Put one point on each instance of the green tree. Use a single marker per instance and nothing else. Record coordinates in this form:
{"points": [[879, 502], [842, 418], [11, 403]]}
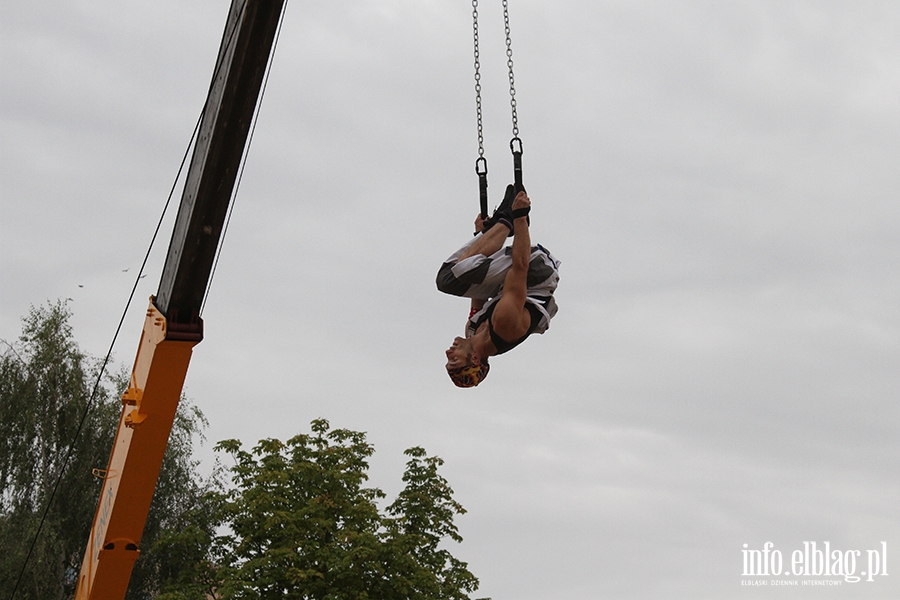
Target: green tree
{"points": [[299, 523], [45, 387]]}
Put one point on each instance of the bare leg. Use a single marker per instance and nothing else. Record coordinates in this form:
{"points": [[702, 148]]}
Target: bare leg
{"points": [[488, 243]]}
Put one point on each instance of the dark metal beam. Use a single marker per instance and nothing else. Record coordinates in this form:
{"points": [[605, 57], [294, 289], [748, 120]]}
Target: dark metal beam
{"points": [[227, 116]]}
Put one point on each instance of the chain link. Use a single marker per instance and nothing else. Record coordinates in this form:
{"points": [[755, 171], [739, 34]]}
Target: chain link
{"points": [[509, 63], [512, 80], [478, 79]]}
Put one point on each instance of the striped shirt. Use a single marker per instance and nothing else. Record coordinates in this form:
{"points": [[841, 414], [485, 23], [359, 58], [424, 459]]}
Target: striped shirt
{"points": [[481, 277]]}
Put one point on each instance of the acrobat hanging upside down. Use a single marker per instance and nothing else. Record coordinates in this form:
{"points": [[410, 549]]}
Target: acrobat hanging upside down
{"points": [[511, 289]]}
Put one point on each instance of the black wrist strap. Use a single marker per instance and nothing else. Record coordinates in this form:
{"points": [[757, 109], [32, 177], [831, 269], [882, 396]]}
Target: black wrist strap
{"points": [[521, 212]]}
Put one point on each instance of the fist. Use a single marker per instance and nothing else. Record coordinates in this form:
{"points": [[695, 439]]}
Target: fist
{"points": [[479, 223], [521, 201]]}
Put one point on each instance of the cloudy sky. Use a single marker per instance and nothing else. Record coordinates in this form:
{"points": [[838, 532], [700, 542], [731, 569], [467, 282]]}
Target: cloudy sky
{"points": [[719, 180]]}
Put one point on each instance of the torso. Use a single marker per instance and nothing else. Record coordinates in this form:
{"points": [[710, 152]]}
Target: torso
{"points": [[501, 345]]}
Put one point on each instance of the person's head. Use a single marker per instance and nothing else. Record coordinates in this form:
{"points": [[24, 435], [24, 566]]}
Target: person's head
{"points": [[464, 366]]}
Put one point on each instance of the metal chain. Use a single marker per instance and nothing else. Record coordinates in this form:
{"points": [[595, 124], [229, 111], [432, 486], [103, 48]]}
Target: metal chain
{"points": [[509, 63], [512, 80], [477, 79]]}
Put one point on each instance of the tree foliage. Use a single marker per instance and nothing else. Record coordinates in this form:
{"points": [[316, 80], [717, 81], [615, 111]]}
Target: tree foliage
{"points": [[300, 523], [46, 383]]}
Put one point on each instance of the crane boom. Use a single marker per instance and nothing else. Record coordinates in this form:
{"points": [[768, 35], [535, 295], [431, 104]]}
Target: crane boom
{"points": [[173, 325]]}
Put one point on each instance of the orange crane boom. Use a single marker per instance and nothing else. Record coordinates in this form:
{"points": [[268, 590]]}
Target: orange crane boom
{"points": [[173, 325], [130, 478]]}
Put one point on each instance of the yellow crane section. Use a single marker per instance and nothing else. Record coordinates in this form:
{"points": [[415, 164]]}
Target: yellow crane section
{"points": [[148, 412], [173, 325]]}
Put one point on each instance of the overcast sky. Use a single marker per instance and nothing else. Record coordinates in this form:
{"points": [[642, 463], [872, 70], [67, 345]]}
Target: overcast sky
{"points": [[719, 180]]}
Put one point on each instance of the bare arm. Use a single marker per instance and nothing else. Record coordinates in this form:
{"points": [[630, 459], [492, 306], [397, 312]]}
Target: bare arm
{"points": [[511, 319]]}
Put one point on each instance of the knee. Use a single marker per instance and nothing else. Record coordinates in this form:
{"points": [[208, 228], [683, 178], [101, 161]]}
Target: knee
{"points": [[448, 283]]}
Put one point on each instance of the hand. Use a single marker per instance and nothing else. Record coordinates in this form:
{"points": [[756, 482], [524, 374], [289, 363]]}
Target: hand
{"points": [[479, 223], [521, 201]]}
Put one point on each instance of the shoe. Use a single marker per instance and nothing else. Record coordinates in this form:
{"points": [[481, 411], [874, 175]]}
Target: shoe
{"points": [[503, 213]]}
